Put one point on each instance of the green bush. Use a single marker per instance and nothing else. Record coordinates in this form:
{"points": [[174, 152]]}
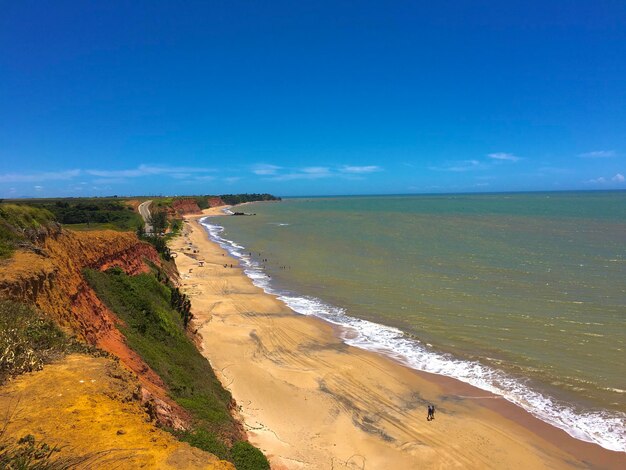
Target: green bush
{"points": [[28, 341], [247, 457], [203, 202], [20, 223], [205, 440], [26, 453]]}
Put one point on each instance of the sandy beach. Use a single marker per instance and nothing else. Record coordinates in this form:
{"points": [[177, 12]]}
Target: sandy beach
{"points": [[311, 402]]}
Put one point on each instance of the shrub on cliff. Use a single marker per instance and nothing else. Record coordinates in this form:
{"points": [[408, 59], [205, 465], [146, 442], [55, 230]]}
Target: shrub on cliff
{"points": [[28, 341], [28, 454], [247, 457], [207, 441], [159, 244], [21, 224]]}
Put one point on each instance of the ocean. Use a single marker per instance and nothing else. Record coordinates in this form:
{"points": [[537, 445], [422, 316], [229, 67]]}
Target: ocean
{"points": [[520, 294]]}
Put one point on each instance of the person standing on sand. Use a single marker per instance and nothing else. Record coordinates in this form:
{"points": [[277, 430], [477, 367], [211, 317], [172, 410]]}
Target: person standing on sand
{"points": [[431, 412]]}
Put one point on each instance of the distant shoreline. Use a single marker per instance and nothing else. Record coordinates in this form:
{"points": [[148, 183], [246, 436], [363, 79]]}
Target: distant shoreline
{"points": [[471, 399]]}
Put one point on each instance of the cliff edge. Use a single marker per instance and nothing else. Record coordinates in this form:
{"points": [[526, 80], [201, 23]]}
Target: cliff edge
{"points": [[82, 403]]}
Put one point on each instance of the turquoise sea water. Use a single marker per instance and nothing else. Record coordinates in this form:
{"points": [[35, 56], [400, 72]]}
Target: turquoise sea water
{"points": [[520, 294]]}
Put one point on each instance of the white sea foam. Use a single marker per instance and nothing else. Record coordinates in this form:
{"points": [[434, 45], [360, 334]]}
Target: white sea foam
{"points": [[603, 427]]}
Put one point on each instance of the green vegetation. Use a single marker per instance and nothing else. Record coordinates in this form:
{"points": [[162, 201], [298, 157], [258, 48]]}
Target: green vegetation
{"points": [[202, 201], [175, 226], [100, 213], [28, 341], [21, 224], [232, 199], [181, 303], [156, 331], [247, 457], [162, 202], [207, 441], [28, 454], [92, 213], [159, 244], [158, 220], [243, 454]]}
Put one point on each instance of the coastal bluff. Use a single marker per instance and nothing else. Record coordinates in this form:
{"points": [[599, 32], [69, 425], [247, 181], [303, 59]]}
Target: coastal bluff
{"points": [[110, 405]]}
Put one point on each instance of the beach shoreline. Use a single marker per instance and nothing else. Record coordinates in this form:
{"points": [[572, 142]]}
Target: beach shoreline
{"points": [[308, 400]]}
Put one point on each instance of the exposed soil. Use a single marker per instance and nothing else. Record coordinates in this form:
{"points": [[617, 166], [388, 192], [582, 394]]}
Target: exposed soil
{"points": [[52, 280], [87, 405]]}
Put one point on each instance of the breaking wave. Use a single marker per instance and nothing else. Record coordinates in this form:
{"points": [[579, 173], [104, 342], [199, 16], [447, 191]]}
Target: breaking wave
{"points": [[602, 427]]}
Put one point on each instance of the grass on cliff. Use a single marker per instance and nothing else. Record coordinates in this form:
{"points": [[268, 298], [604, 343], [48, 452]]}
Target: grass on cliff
{"points": [[20, 224], [156, 332], [28, 454], [28, 340]]}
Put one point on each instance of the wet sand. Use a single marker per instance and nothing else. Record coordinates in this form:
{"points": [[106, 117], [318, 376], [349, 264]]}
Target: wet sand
{"points": [[311, 402]]}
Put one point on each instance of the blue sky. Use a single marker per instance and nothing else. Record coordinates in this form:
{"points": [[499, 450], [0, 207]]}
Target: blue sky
{"points": [[305, 98]]}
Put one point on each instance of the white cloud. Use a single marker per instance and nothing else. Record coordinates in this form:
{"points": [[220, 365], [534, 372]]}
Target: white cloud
{"points": [[147, 170], [308, 173], [618, 178], [555, 170], [314, 172], [598, 154], [465, 165], [38, 188], [264, 169], [108, 181], [600, 180], [38, 177], [503, 156], [360, 169], [317, 170], [232, 179]]}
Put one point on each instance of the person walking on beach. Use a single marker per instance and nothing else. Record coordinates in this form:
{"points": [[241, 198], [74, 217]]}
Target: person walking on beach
{"points": [[431, 412]]}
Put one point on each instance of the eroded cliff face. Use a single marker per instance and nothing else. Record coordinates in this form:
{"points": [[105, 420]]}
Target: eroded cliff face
{"points": [[190, 206], [185, 206], [215, 201], [49, 276]]}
